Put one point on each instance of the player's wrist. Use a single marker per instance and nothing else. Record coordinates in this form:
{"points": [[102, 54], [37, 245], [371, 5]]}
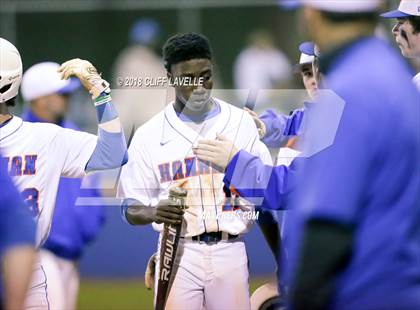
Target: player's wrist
{"points": [[153, 215], [99, 87], [135, 213], [105, 109]]}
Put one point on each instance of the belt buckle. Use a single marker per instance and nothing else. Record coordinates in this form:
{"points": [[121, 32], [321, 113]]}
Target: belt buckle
{"points": [[212, 240], [208, 239]]}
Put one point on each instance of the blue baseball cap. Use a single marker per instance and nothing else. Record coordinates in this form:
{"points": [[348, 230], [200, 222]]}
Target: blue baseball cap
{"points": [[144, 31], [307, 48], [289, 4], [407, 8], [308, 52]]}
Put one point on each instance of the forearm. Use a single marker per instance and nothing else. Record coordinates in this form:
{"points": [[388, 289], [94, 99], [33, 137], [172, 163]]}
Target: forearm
{"points": [[17, 267], [275, 125], [135, 213], [325, 252], [107, 114], [111, 148], [265, 186], [279, 127]]}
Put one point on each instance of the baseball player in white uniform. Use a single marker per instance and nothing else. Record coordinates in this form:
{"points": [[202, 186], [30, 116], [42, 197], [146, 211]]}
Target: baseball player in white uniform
{"points": [[213, 265], [407, 31], [37, 154]]}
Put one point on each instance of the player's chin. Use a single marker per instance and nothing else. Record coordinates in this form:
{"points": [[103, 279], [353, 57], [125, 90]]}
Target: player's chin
{"points": [[197, 104], [407, 53], [404, 50]]}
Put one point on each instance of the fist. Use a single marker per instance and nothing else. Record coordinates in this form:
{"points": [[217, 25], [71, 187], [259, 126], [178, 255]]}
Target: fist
{"points": [[168, 211], [86, 73]]}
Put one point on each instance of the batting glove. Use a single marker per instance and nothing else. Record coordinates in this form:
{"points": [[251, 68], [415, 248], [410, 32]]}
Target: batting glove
{"points": [[87, 74]]}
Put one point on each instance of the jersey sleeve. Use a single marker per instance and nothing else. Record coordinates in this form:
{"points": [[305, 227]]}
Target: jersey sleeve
{"points": [[137, 180], [257, 182], [75, 149], [280, 127]]}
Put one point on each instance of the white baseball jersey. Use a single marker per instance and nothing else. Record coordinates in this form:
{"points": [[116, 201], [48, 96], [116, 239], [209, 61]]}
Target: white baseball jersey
{"points": [[38, 154], [161, 156]]}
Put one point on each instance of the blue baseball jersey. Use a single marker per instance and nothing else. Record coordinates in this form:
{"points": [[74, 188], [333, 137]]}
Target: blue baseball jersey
{"points": [[17, 227], [16, 224], [368, 178]]}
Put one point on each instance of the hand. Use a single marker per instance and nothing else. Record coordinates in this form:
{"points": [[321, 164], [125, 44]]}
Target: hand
{"points": [[168, 212], [219, 152], [149, 275], [262, 130], [87, 74]]}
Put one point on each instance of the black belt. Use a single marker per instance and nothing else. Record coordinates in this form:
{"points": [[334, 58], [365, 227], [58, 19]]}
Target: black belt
{"points": [[213, 237]]}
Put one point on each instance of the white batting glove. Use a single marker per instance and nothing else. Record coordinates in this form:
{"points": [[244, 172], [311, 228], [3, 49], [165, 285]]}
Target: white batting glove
{"points": [[219, 152], [262, 130], [149, 275], [87, 74]]}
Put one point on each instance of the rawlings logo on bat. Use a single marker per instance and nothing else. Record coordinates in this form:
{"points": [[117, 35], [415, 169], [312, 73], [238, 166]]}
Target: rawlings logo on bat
{"points": [[168, 255]]}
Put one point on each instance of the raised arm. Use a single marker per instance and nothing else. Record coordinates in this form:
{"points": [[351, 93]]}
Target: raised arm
{"points": [[111, 148]]}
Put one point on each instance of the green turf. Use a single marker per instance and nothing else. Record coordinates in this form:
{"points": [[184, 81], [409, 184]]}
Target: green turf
{"points": [[119, 295]]}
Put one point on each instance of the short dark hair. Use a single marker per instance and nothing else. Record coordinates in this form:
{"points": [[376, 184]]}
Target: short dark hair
{"points": [[415, 22], [371, 17], [182, 47]]}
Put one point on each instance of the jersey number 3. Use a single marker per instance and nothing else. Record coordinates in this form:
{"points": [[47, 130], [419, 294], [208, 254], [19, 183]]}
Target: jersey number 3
{"points": [[30, 196]]}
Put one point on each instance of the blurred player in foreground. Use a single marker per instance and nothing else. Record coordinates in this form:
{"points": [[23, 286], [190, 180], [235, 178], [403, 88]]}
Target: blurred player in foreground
{"points": [[73, 227], [407, 30], [269, 295], [38, 154], [213, 267], [284, 132], [17, 240], [351, 197]]}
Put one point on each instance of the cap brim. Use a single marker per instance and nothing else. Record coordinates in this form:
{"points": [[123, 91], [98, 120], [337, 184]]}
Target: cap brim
{"points": [[394, 14], [70, 87]]}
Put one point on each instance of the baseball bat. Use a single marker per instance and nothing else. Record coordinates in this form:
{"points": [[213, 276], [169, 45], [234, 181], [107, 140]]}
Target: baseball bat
{"points": [[168, 250]]}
